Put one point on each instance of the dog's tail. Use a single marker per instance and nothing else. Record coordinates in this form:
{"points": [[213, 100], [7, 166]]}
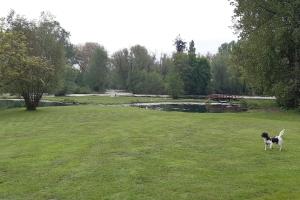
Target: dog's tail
{"points": [[281, 133]]}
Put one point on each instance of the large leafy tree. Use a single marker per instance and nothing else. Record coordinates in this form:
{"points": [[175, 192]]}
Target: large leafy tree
{"points": [[121, 68], [70, 81], [136, 70], [193, 70], [97, 71], [140, 62], [140, 59], [226, 77], [32, 56], [200, 76], [269, 46], [21, 73], [84, 53], [165, 65]]}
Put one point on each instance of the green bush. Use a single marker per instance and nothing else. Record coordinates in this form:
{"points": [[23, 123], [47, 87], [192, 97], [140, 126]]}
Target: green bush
{"points": [[82, 90], [243, 103], [174, 85], [286, 95], [142, 82]]}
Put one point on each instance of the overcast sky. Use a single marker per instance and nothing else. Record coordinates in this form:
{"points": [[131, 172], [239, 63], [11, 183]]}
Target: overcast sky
{"points": [[117, 24]]}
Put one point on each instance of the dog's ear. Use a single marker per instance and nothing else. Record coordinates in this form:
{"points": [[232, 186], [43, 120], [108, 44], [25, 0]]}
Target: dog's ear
{"points": [[264, 135]]}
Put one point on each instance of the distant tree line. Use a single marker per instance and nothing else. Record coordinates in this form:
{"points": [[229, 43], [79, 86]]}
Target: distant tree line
{"points": [[138, 71], [36, 57]]}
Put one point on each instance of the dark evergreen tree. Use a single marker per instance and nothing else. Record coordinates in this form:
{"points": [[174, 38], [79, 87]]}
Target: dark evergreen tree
{"points": [[180, 44]]}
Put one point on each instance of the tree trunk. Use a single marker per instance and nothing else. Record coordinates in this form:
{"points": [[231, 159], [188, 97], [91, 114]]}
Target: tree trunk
{"points": [[32, 100]]}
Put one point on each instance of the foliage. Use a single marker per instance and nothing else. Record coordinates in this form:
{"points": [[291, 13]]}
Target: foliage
{"points": [[286, 95], [84, 53], [269, 46], [165, 66], [182, 68], [134, 69], [153, 83], [33, 56], [120, 62], [26, 75], [200, 76], [226, 77], [140, 59], [180, 44], [174, 84], [83, 90], [96, 74], [70, 76], [142, 82], [258, 104], [193, 70]]}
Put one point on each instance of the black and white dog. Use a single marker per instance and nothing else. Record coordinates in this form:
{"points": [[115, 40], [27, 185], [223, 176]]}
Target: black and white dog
{"points": [[273, 140]]}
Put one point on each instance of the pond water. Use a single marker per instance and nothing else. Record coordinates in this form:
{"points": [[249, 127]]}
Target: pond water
{"points": [[15, 103], [192, 107]]}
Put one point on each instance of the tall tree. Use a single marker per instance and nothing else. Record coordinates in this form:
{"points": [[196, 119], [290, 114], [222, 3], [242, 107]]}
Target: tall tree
{"points": [[140, 59], [193, 70], [165, 65], [200, 76], [192, 51], [84, 53], [140, 62], [120, 61], [269, 47], [226, 77], [180, 44], [20, 73], [70, 78], [33, 56], [97, 71]]}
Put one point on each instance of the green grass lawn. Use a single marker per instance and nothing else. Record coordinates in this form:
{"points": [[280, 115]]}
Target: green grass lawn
{"points": [[98, 152]]}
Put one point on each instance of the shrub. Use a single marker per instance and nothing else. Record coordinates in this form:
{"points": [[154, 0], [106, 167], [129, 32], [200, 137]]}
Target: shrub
{"points": [[286, 95], [83, 90], [174, 85], [142, 82]]}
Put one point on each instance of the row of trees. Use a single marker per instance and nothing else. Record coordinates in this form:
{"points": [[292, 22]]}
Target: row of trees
{"points": [[37, 57], [138, 71]]}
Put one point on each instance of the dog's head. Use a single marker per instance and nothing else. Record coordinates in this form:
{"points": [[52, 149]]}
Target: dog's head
{"points": [[265, 135]]}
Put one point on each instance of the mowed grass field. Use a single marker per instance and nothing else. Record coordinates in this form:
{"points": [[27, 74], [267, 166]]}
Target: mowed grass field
{"points": [[114, 152]]}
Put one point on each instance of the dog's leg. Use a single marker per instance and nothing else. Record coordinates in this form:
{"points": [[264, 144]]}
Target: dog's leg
{"points": [[265, 146], [280, 147], [271, 146]]}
